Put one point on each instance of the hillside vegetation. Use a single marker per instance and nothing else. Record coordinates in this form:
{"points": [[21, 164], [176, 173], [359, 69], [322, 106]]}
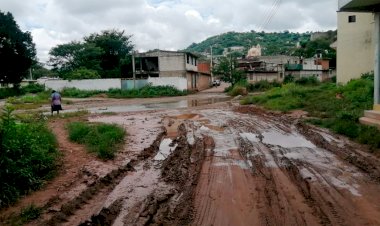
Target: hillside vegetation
{"points": [[276, 43]]}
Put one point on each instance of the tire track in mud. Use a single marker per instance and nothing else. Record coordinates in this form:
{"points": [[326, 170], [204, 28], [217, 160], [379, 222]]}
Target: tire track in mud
{"points": [[334, 190]]}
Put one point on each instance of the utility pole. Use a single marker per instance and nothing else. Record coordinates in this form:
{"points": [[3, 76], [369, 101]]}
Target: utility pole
{"points": [[134, 69], [211, 67]]}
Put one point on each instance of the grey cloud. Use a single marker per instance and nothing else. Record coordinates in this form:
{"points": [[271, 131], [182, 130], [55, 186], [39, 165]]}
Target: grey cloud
{"points": [[172, 24]]}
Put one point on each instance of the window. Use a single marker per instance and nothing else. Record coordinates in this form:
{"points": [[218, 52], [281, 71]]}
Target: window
{"points": [[352, 19], [188, 60]]}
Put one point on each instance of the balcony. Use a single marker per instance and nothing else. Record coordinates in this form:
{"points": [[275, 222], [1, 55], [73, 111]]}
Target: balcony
{"points": [[359, 5], [293, 67]]}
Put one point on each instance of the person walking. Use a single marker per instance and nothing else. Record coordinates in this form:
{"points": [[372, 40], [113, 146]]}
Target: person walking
{"points": [[55, 102]]}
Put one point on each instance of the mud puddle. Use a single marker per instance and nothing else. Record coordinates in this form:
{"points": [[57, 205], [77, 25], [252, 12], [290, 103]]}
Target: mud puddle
{"points": [[153, 106]]}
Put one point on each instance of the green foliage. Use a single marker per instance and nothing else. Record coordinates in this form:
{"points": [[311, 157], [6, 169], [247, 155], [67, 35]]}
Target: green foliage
{"points": [[335, 107], [33, 88], [17, 50], [27, 159], [83, 73], [104, 54], [275, 43], [307, 81], [29, 213], [9, 92], [227, 70], [289, 78], [102, 139], [238, 90], [146, 91], [38, 71], [262, 85], [77, 93]]}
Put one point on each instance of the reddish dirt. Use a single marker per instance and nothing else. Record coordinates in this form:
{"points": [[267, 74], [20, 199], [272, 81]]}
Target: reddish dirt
{"points": [[221, 164]]}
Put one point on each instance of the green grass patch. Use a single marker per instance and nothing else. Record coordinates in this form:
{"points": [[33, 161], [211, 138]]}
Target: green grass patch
{"points": [[146, 91], [335, 107], [28, 156], [102, 139], [76, 93]]}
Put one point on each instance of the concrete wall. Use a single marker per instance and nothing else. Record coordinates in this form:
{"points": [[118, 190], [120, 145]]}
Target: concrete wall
{"points": [[173, 62], [270, 77], [86, 84], [355, 51], [178, 82], [204, 81], [130, 84], [192, 64]]}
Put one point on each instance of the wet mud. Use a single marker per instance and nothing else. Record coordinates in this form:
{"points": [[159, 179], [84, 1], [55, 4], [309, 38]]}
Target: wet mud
{"points": [[222, 164]]}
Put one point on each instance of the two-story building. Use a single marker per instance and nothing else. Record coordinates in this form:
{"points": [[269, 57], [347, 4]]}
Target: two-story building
{"points": [[171, 68]]}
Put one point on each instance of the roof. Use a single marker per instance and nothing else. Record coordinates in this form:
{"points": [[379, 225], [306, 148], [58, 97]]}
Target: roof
{"points": [[156, 53], [359, 5]]}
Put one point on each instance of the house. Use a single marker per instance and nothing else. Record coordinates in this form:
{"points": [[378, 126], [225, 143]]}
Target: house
{"points": [[355, 46], [176, 68], [275, 68], [369, 6]]}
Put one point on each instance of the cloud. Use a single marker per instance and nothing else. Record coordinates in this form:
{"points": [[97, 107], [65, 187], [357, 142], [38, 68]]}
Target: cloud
{"points": [[165, 24]]}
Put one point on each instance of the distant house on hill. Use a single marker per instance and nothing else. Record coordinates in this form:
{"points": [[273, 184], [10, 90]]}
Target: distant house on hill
{"points": [[275, 68]]}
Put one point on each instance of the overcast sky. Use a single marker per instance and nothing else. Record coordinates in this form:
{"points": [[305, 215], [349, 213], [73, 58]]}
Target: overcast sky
{"points": [[164, 24]]}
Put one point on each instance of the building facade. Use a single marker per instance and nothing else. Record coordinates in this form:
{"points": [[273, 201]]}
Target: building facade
{"points": [[355, 46], [171, 64]]}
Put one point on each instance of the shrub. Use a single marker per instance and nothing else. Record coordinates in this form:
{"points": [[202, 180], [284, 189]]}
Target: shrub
{"points": [[27, 159], [33, 88], [238, 90], [312, 80], [83, 73], [102, 139], [74, 92], [146, 91], [9, 92]]}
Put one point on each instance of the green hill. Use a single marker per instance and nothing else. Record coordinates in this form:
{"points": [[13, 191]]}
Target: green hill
{"points": [[276, 43]]}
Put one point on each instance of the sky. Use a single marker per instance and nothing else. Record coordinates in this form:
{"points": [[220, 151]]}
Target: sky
{"points": [[164, 24]]}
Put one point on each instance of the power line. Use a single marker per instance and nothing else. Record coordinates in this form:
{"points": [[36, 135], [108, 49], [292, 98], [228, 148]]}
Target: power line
{"points": [[270, 14]]}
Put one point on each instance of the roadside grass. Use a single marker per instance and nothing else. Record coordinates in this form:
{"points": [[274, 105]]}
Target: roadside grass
{"points": [[27, 214], [28, 156], [76, 93], [99, 138], [29, 101], [335, 107], [146, 91]]}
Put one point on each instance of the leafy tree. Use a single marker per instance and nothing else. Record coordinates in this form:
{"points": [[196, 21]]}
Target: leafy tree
{"points": [[17, 51], [115, 46], [83, 73], [66, 58], [38, 71], [227, 70]]}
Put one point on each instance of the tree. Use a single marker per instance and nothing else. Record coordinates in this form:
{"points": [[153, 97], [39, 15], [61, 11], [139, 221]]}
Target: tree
{"points": [[66, 58], [116, 46], [227, 69], [17, 51]]}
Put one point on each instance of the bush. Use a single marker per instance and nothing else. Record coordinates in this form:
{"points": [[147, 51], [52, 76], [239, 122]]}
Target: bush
{"points": [[83, 73], [238, 90], [9, 92], [27, 159], [146, 91], [74, 92], [33, 88], [262, 85], [307, 81], [102, 139]]}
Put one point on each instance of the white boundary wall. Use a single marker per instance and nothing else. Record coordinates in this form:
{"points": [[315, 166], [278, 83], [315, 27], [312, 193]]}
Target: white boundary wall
{"points": [[85, 84], [178, 82]]}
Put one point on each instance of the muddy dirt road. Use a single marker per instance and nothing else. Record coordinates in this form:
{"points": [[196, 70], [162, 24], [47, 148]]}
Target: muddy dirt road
{"points": [[219, 164]]}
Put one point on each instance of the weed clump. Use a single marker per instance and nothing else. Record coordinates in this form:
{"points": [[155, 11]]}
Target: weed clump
{"points": [[28, 157], [102, 139]]}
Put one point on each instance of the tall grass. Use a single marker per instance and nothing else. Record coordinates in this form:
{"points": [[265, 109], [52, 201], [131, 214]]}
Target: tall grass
{"points": [[102, 139], [335, 107], [28, 157]]}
